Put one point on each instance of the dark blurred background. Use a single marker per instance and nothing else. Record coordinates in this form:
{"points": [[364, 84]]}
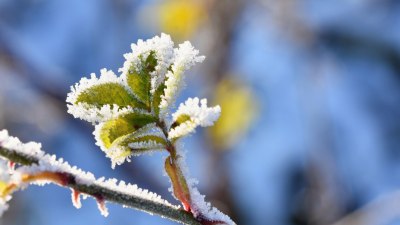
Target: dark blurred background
{"points": [[309, 90]]}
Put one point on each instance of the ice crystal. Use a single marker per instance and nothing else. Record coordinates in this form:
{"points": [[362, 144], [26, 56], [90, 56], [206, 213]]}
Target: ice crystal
{"points": [[49, 163], [91, 113], [185, 57], [151, 77], [199, 207], [164, 52], [4, 180], [199, 115]]}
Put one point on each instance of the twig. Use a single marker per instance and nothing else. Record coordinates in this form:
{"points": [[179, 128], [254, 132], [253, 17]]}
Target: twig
{"points": [[108, 194]]}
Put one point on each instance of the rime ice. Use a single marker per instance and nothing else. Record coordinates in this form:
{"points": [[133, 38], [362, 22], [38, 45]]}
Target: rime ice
{"points": [[131, 114], [171, 63], [50, 163], [200, 115]]}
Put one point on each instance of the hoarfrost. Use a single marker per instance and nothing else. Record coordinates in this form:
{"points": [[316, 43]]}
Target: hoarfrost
{"points": [[200, 115], [49, 163], [162, 46], [91, 113], [185, 57]]}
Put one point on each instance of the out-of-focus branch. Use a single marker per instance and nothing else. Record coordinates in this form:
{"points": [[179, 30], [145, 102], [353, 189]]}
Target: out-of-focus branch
{"points": [[381, 211]]}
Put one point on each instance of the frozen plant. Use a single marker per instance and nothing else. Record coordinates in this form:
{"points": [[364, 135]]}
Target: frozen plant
{"points": [[131, 115]]}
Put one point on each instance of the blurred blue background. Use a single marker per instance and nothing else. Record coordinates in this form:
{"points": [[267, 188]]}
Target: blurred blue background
{"points": [[309, 89]]}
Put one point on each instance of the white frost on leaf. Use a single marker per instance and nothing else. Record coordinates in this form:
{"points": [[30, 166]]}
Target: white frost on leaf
{"points": [[49, 163], [163, 48], [146, 145], [92, 113], [200, 115], [185, 57], [96, 115], [117, 154], [5, 178]]}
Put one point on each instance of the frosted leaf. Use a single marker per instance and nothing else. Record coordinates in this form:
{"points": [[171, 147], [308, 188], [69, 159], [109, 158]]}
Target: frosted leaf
{"points": [[5, 178], [197, 115], [100, 99], [185, 57], [106, 76], [95, 115], [114, 136], [164, 52], [146, 145]]}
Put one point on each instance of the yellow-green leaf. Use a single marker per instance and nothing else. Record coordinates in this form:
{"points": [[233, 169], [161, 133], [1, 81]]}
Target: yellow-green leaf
{"points": [[108, 94], [151, 140], [123, 126], [181, 119]]}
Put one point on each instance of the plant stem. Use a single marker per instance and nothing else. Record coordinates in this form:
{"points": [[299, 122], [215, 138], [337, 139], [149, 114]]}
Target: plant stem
{"points": [[174, 172], [108, 194]]}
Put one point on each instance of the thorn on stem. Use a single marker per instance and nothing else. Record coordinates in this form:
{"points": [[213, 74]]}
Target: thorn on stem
{"points": [[101, 204], [76, 199]]}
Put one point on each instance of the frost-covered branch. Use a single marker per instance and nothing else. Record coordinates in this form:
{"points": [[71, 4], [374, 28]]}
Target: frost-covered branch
{"points": [[38, 168], [132, 116]]}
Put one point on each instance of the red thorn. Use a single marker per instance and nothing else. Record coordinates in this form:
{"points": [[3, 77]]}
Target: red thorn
{"points": [[101, 204], [76, 200], [11, 165]]}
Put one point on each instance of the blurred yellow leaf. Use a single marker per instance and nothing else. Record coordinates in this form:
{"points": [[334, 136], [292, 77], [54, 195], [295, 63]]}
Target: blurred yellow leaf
{"points": [[3, 186], [181, 18], [239, 109]]}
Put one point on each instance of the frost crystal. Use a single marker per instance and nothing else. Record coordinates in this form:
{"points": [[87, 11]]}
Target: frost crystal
{"points": [[199, 207], [163, 48], [146, 145], [91, 113], [49, 163], [200, 115], [164, 52], [4, 180], [185, 57]]}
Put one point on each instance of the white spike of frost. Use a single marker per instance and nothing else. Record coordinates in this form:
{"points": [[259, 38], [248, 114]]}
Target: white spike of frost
{"points": [[185, 57], [200, 115]]}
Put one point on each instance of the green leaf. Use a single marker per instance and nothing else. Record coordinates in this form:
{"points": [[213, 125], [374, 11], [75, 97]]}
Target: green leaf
{"points": [[122, 143], [123, 126], [157, 98], [108, 94], [131, 139], [140, 81], [181, 119]]}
